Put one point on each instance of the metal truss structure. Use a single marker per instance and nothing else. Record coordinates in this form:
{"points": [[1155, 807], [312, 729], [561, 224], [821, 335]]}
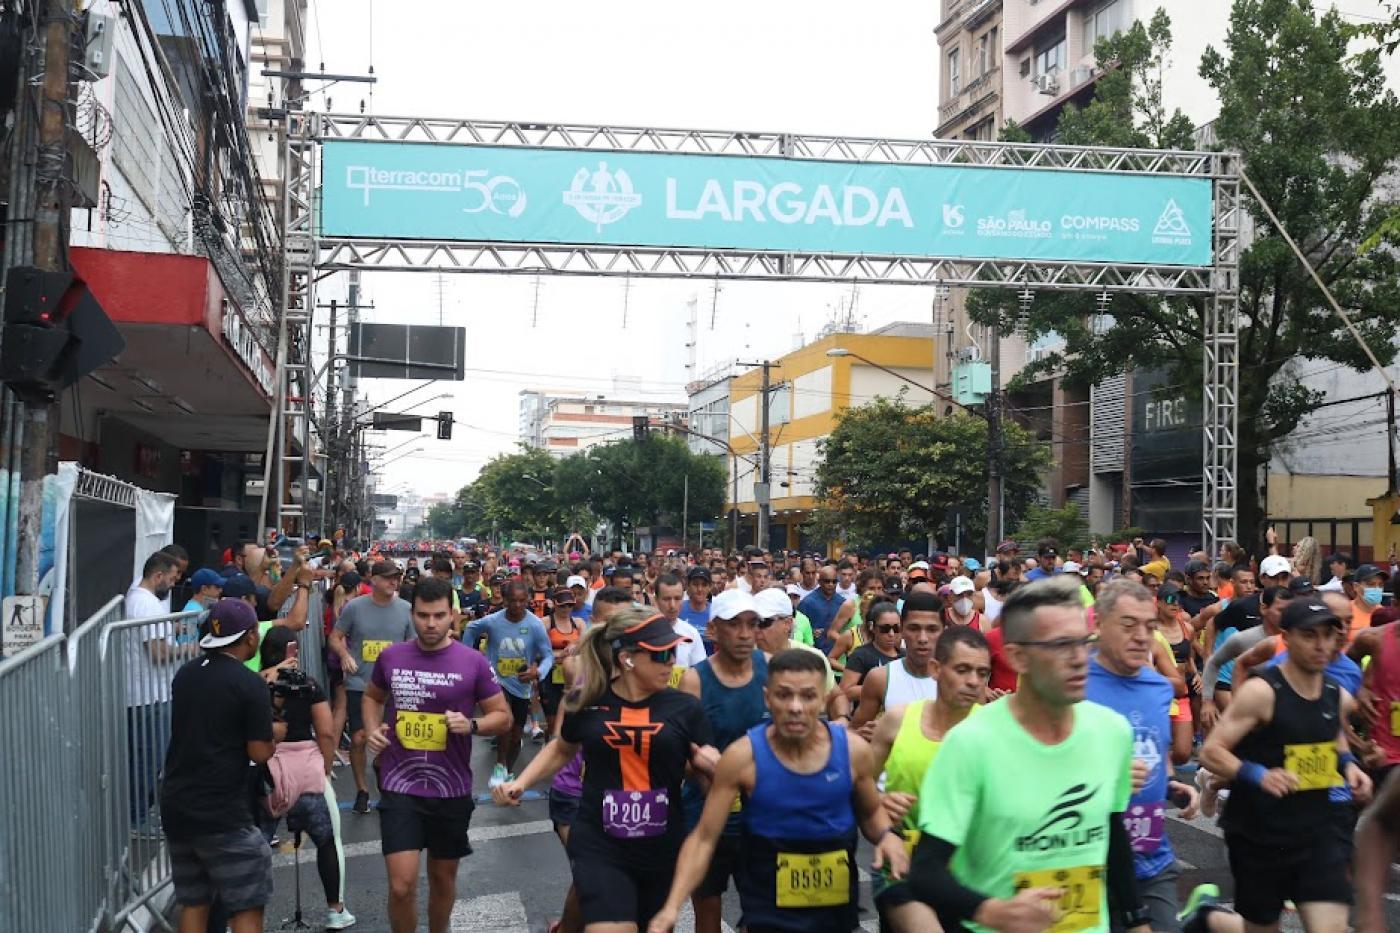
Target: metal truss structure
{"points": [[311, 255]]}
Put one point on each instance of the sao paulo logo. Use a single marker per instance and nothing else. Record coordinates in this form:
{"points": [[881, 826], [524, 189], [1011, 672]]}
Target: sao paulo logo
{"points": [[1172, 226], [601, 197]]}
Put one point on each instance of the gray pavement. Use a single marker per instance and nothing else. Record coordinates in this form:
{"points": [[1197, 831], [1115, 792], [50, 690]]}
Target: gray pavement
{"points": [[517, 877]]}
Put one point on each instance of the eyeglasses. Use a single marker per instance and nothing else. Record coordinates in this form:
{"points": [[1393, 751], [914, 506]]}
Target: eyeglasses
{"points": [[886, 629], [766, 623], [825, 581], [1064, 647], [663, 657]]}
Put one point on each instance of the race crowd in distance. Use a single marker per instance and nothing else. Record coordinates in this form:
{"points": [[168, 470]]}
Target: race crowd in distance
{"points": [[1009, 734]]}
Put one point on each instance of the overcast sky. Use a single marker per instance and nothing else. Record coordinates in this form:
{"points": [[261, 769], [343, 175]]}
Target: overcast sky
{"points": [[816, 66]]}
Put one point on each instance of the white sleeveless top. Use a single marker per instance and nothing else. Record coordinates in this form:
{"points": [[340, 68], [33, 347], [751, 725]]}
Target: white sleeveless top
{"points": [[902, 687]]}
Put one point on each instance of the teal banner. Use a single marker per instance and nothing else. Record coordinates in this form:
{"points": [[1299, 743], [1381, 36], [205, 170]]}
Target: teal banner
{"points": [[433, 191]]}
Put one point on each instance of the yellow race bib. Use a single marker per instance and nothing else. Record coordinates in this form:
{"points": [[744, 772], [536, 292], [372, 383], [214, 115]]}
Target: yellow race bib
{"points": [[422, 732], [1314, 763], [814, 879], [556, 676], [1395, 717], [738, 805], [1081, 894], [674, 681], [911, 841], [510, 667], [370, 650]]}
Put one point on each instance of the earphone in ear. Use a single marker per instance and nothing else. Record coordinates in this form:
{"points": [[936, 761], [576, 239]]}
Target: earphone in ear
{"points": [[627, 663]]}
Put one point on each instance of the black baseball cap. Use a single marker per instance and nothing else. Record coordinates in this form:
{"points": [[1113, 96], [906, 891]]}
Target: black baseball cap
{"points": [[1301, 586], [1308, 613], [1366, 571], [698, 573], [385, 568], [655, 634]]}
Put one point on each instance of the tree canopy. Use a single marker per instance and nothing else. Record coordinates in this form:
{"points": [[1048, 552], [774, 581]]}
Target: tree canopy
{"points": [[889, 472]]}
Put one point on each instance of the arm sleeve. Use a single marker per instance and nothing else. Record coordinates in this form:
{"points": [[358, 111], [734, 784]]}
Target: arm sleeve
{"points": [[1123, 895], [1234, 646], [542, 650], [932, 881]]}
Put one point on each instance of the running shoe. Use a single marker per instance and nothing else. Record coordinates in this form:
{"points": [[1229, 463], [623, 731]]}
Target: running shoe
{"points": [[1194, 916], [362, 802], [498, 777], [1210, 794], [339, 919], [537, 735]]}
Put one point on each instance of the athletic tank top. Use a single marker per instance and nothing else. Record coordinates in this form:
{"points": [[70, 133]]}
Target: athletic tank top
{"points": [[902, 687], [1301, 737], [910, 756], [731, 711], [1385, 687], [798, 855]]}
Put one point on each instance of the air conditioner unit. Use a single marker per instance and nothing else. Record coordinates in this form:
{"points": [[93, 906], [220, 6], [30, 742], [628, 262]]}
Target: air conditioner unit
{"points": [[1048, 83]]}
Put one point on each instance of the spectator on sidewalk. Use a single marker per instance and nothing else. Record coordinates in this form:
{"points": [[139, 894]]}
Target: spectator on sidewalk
{"points": [[148, 654]]}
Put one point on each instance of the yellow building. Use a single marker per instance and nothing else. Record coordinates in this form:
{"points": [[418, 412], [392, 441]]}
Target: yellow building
{"points": [[809, 387]]}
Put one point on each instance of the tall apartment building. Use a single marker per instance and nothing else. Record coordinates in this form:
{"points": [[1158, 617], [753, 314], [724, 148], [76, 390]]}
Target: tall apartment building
{"points": [[567, 424], [970, 71]]}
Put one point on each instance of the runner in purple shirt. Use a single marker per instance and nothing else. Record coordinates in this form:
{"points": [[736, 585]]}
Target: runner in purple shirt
{"points": [[420, 716]]}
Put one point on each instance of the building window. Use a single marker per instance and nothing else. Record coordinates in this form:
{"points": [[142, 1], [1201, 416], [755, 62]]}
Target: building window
{"points": [[986, 52], [1107, 18], [954, 73], [1050, 58], [983, 131]]}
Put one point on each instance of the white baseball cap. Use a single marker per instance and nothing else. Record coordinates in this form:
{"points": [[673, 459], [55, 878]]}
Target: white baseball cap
{"points": [[1273, 565], [794, 590], [960, 585], [576, 580], [771, 603], [731, 603], [1071, 567]]}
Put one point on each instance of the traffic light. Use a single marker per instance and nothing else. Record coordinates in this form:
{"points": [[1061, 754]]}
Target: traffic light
{"points": [[640, 427], [444, 420]]}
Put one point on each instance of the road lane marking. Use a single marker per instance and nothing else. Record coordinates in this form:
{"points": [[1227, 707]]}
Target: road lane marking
{"points": [[490, 913]]}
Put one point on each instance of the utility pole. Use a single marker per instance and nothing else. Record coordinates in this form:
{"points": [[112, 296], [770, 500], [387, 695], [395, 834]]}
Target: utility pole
{"points": [[329, 428], [763, 491], [52, 210], [994, 444], [1390, 480], [685, 513]]}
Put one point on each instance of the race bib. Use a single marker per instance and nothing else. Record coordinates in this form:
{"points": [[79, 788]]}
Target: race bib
{"points": [[911, 842], [370, 650], [422, 732], [635, 814], [1314, 763], [738, 805], [556, 676], [510, 667], [814, 879], [1146, 823], [674, 681], [1395, 718], [1081, 894]]}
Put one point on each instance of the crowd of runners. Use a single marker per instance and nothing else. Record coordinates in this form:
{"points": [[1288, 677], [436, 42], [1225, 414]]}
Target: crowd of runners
{"points": [[1009, 735]]}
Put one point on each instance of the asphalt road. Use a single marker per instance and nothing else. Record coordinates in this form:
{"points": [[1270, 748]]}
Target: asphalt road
{"points": [[516, 879]]}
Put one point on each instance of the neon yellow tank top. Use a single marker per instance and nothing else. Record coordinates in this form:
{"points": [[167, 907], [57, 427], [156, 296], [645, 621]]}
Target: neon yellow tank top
{"points": [[910, 757]]}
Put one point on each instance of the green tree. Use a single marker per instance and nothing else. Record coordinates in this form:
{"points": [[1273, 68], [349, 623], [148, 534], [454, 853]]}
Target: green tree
{"points": [[444, 520], [1065, 525], [889, 472], [516, 492], [1318, 132]]}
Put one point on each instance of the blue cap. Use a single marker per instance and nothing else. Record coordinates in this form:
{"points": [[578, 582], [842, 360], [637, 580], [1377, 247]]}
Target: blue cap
{"points": [[205, 577], [972, 563], [238, 585]]}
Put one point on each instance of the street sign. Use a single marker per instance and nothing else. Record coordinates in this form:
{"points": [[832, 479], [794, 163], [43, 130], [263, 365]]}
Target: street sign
{"points": [[388, 421], [22, 620], [407, 351]]}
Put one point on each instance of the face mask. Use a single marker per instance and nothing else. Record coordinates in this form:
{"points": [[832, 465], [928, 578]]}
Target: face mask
{"points": [[1371, 595], [962, 606]]}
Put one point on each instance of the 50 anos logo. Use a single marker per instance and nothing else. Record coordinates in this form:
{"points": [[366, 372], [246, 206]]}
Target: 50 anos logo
{"points": [[499, 194]]}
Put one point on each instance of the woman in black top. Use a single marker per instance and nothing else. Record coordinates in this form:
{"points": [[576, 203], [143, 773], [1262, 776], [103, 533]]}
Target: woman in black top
{"points": [[883, 648], [638, 738], [298, 699]]}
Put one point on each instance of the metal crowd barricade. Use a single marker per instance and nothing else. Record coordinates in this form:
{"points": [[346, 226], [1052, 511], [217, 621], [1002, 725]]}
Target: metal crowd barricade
{"points": [[311, 641], [138, 660], [39, 838]]}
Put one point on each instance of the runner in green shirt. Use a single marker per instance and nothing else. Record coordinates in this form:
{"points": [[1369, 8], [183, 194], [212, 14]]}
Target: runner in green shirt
{"points": [[1048, 853]]}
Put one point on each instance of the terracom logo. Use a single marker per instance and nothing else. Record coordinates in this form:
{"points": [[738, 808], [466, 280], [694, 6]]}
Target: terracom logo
{"points": [[1060, 829]]}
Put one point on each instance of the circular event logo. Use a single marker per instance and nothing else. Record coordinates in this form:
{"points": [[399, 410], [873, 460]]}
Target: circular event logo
{"points": [[602, 197]]}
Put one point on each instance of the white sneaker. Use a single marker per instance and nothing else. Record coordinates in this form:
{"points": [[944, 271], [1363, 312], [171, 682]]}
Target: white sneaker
{"points": [[498, 777], [339, 919], [1210, 793]]}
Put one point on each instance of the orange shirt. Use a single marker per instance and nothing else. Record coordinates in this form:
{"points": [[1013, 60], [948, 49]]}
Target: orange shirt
{"points": [[1360, 618]]}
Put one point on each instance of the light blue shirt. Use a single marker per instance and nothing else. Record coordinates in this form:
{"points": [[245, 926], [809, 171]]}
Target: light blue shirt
{"points": [[526, 640]]}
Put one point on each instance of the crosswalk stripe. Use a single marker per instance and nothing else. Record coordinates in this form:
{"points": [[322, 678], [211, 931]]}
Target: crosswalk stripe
{"points": [[484, 834], [490, 913]]}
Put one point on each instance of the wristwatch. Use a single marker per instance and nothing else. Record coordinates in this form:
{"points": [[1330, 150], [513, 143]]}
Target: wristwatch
{"points": [[474, 726]]}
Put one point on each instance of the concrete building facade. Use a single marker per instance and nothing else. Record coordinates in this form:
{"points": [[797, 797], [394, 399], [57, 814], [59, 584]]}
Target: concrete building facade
{"points": [[567, 424]]}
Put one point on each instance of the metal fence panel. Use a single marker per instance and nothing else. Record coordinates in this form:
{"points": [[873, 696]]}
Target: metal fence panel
{"points": [[38, 833], [311, 641]]}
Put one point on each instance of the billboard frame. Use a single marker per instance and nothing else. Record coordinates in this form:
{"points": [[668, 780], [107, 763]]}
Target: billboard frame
{"points": [[309, 256]]}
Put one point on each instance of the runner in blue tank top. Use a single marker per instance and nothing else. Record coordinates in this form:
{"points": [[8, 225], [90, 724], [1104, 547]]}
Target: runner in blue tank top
{"points": [[729, 685], [806, 787]]}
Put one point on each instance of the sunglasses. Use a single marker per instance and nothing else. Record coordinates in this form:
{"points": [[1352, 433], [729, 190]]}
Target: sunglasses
{"points": [[766, 623], [663, 657], [887, 629]]}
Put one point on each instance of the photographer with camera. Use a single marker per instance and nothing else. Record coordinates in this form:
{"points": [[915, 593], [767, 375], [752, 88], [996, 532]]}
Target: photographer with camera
{"points": [[301, 767]]}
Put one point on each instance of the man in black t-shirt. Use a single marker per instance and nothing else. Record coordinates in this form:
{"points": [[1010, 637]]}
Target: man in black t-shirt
{"points": [[1197, 595], [221, 719]]}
